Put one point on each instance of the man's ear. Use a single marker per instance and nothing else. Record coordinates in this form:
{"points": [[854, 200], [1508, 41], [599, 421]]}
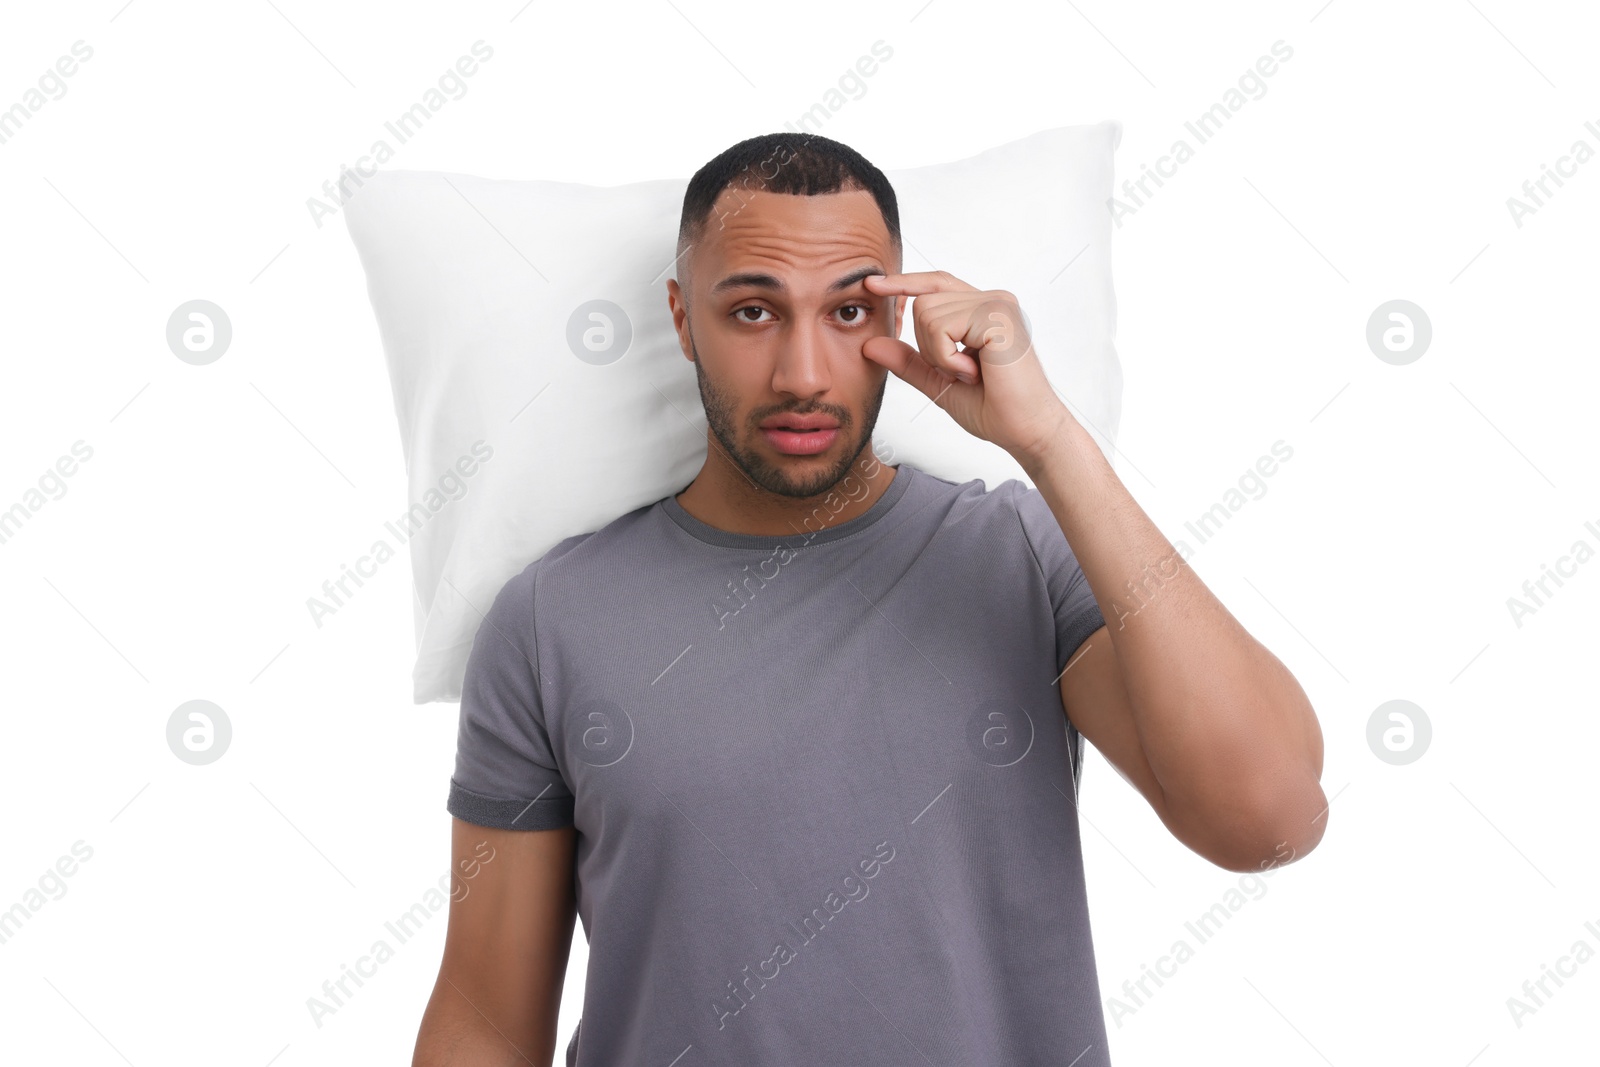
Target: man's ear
{"points": [[680, 317]]}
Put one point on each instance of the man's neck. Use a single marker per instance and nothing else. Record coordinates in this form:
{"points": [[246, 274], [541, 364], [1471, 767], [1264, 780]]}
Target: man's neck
{"points": [[723, 497]]}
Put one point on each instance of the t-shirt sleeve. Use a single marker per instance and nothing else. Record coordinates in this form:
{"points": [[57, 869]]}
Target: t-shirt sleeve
{"points": [[506, 775], [1077, 613]]}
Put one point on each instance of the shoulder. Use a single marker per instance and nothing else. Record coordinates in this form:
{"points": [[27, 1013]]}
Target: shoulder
{"points": [[568, 553], [568, 567], [1038, 529], [1001, 513], [514, 601], [627, 535], [1009, 508], [998, 525], [968, 494]]}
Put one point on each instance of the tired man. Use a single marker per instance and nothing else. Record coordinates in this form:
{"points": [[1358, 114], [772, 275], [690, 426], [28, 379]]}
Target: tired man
{"points": [[800, 742]]}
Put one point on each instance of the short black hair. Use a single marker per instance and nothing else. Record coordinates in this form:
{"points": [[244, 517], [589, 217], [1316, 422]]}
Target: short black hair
{"points": [[799, 164]]}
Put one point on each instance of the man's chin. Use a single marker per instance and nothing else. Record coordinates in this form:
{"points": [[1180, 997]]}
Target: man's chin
{"points": [[800, 476]]}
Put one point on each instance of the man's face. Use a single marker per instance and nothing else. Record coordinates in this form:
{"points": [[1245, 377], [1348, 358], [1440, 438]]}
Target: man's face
{"points": [[772, 335]]}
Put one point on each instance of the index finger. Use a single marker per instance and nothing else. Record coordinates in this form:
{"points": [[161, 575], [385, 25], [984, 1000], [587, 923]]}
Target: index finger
{"points": [[918, 283]]}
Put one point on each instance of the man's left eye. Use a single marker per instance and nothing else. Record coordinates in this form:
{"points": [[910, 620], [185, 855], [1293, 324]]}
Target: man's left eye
{"points": [[865, 309]]}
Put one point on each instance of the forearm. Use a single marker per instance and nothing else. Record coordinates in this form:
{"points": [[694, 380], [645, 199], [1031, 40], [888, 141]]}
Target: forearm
{"points": [[1227, 731]]}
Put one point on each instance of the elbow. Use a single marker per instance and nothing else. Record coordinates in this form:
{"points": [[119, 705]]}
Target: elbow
{"points": [[1288, 825]]}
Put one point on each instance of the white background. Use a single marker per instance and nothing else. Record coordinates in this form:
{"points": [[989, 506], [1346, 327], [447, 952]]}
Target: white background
{"points": [[1377, 565]]}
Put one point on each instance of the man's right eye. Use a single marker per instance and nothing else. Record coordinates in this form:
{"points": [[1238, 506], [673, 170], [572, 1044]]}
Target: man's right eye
{"points": [[748, 307]]}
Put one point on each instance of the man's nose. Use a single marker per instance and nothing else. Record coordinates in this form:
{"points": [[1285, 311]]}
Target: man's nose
{"points": [[802, 367]]}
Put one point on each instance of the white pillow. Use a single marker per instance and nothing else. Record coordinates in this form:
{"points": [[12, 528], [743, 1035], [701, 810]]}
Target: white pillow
{"points": [[538, 381]]}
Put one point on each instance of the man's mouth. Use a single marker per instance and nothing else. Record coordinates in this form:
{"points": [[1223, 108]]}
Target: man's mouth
{"points": [[800, 440], [801, 423]]}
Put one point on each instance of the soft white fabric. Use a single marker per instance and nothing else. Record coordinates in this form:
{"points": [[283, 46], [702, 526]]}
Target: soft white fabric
{"points": [[480, 289]]}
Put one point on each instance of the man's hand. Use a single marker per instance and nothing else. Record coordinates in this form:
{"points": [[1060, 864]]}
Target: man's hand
{"points": [[973, 358]]}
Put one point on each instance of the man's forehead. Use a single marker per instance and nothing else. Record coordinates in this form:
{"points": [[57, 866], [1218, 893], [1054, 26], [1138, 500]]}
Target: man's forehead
{"points": [[762, 233]]}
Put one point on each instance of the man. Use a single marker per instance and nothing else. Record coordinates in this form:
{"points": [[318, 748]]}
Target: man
{"points": [[800, 742]]}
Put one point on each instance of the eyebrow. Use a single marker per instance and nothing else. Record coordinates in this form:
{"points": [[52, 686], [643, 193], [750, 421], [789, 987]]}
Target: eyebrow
{"points": [[758, 280]]}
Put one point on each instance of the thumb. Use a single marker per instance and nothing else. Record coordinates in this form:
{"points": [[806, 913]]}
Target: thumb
{"points": [[905, 362]]}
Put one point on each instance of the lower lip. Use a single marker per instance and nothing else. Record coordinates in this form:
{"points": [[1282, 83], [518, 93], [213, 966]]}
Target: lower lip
{"points": [[795, 443]]}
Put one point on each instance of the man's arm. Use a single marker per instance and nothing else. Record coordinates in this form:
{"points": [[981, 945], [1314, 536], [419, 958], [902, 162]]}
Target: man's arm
{"points": [[505, 951], [1200, 715], [1210, 726]]}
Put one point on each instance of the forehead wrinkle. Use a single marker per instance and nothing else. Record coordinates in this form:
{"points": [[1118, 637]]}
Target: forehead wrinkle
{"points": [[779, 235], [786, 247], [779, 255], [792, 221]]}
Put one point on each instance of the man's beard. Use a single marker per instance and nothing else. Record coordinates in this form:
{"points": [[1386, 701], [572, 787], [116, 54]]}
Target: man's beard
{"points": [[720, 411]]}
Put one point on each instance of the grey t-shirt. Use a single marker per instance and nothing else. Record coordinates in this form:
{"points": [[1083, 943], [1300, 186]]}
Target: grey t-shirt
{"points": [[824, 789]]}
